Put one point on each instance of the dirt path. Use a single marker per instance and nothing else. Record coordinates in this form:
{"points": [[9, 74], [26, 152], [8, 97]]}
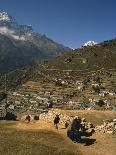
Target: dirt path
{"points": [[98, 144]]}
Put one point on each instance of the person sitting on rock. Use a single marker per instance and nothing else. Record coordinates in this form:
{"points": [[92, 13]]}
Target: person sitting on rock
{"points": [[28, 118], [56, 121]]}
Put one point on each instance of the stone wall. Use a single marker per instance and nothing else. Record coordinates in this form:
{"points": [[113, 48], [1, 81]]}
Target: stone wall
{"points": [[51, 115], [109, 126]]}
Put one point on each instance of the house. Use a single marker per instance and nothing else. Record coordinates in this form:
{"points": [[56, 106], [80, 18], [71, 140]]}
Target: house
{"points": [[33, 102], [103, 92], [16, 94], [11, 107], [17, 103], [2, 107], [111, 93], [95, 85]]}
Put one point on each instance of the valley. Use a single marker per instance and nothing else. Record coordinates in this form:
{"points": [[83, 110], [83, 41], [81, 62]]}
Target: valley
{"points": [[55, 100]]}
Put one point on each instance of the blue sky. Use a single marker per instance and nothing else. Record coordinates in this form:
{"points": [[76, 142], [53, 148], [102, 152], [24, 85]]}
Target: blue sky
{"points": [[69, 22]]}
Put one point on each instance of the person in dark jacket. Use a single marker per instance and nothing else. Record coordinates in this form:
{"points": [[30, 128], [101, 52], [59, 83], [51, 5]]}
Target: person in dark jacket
{"points": [[56, 121]]}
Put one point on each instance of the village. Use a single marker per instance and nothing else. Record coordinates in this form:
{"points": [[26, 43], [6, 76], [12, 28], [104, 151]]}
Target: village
{"points": [[94, 92]]}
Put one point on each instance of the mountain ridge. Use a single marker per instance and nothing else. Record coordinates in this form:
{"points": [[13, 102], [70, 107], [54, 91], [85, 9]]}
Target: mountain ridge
{"points": [[26, 46]]}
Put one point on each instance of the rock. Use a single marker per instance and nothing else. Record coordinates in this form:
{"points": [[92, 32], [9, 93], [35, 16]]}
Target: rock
{"points": [[90, 125], [92, 130], [114, 120], [51, 115], [109, 132], [108, 126]]}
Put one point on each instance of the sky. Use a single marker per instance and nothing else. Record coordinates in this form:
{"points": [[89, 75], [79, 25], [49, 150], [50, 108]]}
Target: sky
{"points": [[69, 22]]}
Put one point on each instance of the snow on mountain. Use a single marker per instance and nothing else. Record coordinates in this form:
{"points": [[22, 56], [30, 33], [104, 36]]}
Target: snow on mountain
{"points": [[4, 16], [9, 27], [90, 43]]}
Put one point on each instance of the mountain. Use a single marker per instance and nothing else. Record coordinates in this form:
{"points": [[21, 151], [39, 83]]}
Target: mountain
{"points": [[20, 46], [81, 61], [90, 43]]}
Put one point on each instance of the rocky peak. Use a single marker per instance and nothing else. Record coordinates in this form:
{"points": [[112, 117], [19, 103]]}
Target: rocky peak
{"points": [[5, 17]]}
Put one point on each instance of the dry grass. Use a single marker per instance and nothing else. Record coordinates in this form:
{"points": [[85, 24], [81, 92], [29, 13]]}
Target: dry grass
{"points": [[34, 142], [41, 138]]}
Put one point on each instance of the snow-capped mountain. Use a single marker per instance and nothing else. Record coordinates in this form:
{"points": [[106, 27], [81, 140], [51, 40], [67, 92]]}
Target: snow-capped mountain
{"points": [[20, 46], [90, 43], [10, 27]]}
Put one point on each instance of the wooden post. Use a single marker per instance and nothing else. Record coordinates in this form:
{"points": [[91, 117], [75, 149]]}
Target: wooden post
{"points": [[5, 89]]}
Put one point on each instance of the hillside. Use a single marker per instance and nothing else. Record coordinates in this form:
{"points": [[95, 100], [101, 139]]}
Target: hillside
{"points": [[102, 55], [20, 46], [82, 61]]}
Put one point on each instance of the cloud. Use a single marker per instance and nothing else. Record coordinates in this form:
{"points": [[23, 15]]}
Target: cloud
{"points": [[18, 37], [4, 30]]}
